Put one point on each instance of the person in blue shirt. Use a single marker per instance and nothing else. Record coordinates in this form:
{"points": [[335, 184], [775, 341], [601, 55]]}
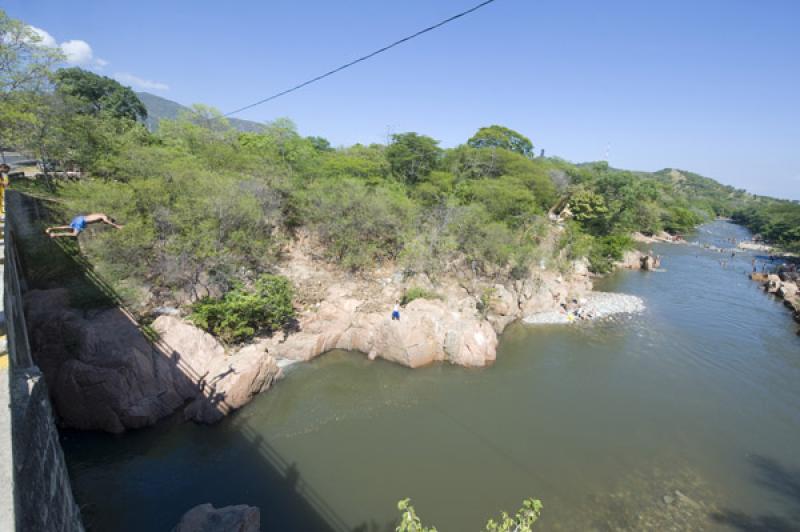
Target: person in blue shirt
{"points": [[79, 223]]}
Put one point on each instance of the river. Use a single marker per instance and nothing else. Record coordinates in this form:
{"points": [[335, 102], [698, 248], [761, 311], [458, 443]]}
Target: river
{"points": [[684, 417]]}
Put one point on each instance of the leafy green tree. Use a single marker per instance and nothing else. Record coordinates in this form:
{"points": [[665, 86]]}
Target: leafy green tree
{"points": [[25, 76], [589, 209], [502, 137], [320, 144], [25, 62], [94, 94], [280, 147], [367, 163], [412, 157]]}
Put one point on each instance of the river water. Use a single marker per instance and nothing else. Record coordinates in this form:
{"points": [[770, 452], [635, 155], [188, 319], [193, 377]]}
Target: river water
{"points": [[683, 417]]}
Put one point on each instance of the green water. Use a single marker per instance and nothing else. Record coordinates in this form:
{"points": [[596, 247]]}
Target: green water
{"points": [[700, 393]]}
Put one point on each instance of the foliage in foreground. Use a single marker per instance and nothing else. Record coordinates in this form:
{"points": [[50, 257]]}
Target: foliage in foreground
{"points": [[240, 313], [523, 521]]}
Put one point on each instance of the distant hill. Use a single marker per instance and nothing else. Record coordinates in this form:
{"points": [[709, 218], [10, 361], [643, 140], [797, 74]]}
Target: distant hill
{"points": [[159, 108]]}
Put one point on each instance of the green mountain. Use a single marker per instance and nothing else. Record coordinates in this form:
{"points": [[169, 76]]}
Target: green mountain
{"points": [[159, 108]]}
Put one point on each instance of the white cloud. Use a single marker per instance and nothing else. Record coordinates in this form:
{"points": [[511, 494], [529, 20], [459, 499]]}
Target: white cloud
{"points": [[47, 40], [76, 51], [139, 83]]}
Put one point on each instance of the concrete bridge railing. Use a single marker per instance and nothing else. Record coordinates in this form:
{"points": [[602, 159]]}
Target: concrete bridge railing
{"points": [[35, 491]]}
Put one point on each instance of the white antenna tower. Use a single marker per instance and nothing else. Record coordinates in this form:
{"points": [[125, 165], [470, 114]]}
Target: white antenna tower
{"points": [[608, 151]]}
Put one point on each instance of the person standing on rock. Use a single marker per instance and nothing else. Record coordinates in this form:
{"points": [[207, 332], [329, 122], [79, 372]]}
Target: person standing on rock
{"points": [[396, 311], [79, 223]]}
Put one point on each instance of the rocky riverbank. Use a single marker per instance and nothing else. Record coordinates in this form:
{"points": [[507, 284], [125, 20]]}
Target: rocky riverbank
{"points": [[785, 285], [104, 373], [595, 305]]}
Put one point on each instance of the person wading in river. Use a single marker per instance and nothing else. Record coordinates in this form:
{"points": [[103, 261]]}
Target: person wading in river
{"points": [[79, 223]]}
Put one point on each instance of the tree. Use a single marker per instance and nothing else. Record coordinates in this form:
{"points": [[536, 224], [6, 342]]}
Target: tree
{"points": [[93, 94], [25, 62], [590, 210], [25, 70], [320, 144], [412, 157], [502, 137]]}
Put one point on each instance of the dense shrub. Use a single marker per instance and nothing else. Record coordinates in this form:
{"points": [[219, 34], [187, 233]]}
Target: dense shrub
{"points": [[360, 225], [606, 250], [241, 313]]}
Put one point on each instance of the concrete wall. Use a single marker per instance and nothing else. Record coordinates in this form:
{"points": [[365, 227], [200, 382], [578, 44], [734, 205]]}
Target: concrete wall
{"points": [[35, 495], [43, 494]]}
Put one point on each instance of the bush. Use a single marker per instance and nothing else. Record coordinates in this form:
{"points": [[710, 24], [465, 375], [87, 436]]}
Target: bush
{"points": [[360, 225], [522, 521], [241, 313], [505, 199], [417, 292], [606, 250]]}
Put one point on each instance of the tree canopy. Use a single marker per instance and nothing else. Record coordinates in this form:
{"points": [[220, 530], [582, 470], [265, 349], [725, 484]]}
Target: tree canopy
{"points": [[25, 62], [412, 156], [502, 137], [96, 94]]}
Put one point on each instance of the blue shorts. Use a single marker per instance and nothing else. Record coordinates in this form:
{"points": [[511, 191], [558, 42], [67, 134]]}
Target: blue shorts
{"points": [[78, 223], [395, 315]]}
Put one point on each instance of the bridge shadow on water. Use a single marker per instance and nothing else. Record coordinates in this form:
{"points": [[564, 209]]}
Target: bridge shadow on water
{"points": [[146, 479], [783, 483]]}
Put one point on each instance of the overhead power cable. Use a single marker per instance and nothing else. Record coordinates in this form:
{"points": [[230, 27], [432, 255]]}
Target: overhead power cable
{"points": [[363, 58]]}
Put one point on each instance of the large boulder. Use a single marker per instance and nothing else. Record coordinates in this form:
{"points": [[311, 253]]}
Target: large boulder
{"points": [[231, 382], [502, 301], [631, 260], [191, 349], [471, 343], [102, 372], [787, 289], [415, 340], [206, 518], [773, 283], [649, 262], [220, 383]]}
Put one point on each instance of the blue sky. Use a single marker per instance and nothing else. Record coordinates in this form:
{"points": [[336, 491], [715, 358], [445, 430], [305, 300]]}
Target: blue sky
{"points": [[711, 86]]}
